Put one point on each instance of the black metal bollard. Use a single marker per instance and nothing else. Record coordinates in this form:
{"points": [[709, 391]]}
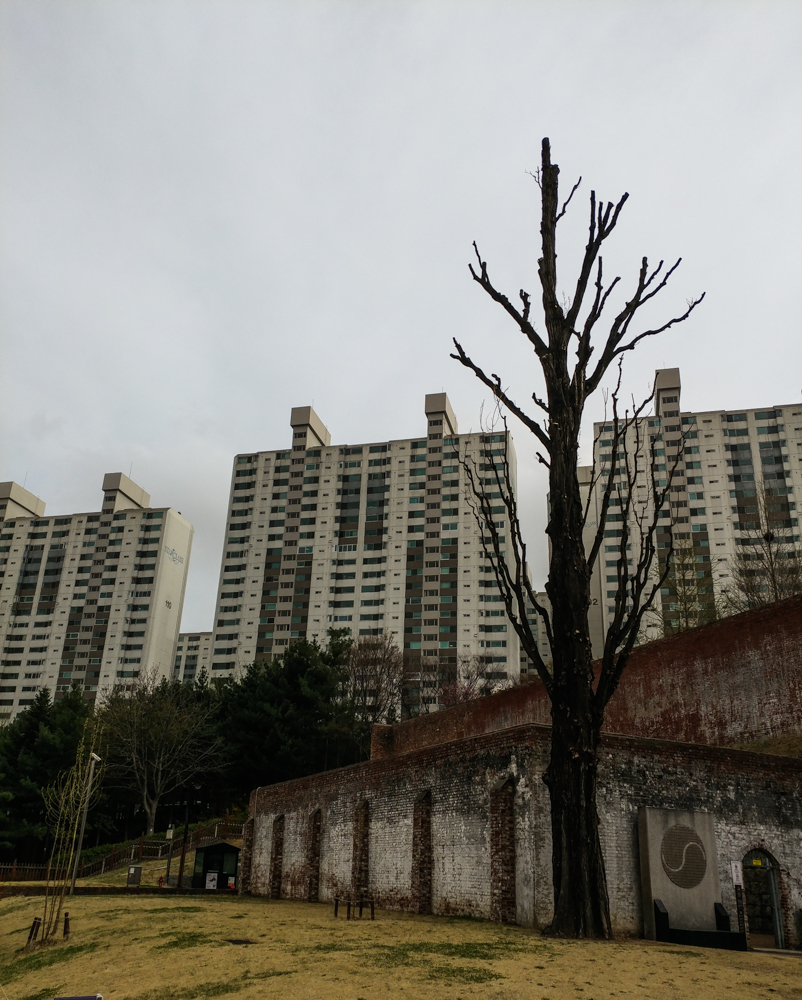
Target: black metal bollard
{"points": [[372, 910], [34, 932], [336, 906], [66, 925], [348, 914]]}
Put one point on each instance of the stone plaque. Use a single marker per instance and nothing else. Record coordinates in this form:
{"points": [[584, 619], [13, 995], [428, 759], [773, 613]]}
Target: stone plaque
{"points": [[679, 865]]}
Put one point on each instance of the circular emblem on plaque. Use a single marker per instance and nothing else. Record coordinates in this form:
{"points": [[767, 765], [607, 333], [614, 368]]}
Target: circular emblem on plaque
{"points": [[683, 855]]}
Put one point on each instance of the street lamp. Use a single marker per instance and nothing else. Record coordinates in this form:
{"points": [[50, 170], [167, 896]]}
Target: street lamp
{"points": [[93, 759]]}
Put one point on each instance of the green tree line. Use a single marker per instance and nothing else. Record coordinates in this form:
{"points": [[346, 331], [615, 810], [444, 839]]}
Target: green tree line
{"points": [[209, 744]]}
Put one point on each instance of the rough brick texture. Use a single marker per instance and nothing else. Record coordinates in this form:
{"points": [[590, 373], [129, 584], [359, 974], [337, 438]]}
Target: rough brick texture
{"points": [[475, 782], [502, 853], [422, 854], [313, 858], [737, 680], [276, 858]]}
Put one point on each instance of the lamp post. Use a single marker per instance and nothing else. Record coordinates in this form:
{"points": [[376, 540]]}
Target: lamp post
{"points": [[186, 838], [93, 759], [184, 845]]}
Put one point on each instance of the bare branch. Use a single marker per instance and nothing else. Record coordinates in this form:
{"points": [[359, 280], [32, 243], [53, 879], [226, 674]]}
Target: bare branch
{"points": [[493, 383], [523, 322], [567, 201]]}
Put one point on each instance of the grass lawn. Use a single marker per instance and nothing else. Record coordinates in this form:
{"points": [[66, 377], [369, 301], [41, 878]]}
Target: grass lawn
{"points": [[151, 870], [145, 948]]}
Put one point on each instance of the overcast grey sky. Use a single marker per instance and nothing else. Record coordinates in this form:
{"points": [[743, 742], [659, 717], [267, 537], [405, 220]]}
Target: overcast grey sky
{"points": [[213, 211]]}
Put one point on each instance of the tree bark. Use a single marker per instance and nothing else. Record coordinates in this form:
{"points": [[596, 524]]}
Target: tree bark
{"points": [[581, 906]]}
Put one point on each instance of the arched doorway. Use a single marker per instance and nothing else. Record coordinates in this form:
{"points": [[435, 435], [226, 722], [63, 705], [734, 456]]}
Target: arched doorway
{"points": [[360, 865], [502, 853], [762, 892], [277, 858], [422, 853]]}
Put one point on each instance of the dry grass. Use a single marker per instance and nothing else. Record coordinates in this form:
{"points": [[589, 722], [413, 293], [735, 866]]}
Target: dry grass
{"points": [[145, 948], [151, 870]]}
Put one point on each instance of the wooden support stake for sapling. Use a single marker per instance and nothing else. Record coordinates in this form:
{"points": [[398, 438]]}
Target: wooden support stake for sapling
{"points": [[66, 925], [34, 932], [336, 906], [348, 914], [372, 909]]}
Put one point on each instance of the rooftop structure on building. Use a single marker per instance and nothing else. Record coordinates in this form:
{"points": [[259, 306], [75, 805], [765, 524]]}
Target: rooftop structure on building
{"points": [[723, 461], [92, 599], [373, 537]]}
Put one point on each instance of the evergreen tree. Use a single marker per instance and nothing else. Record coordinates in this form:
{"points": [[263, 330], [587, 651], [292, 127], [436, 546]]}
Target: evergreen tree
{"points": [[39, 744], [287, 718]]}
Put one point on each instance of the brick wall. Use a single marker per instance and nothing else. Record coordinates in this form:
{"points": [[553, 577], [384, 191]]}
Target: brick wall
{"points": [[422, 853], [736, 680], [489, 817]]}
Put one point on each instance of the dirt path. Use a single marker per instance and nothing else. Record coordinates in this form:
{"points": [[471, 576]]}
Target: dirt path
{"points": [[190, 948]]}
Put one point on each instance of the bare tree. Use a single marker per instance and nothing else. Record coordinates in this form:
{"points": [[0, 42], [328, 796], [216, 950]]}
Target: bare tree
{"points": [[688, 592], [768, 565], [578, 698], [65, 802], [373, 683], [158, 737], [431, 683], [475, 677]]}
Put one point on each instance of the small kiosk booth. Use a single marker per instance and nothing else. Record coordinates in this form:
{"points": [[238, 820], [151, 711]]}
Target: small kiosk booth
{"points": [[216, 867]]}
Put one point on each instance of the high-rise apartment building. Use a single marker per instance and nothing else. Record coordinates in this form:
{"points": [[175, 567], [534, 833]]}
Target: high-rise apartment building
{"points": [[193, 656], [540, 635], [93, 598], [368, 537], [723, 461]]}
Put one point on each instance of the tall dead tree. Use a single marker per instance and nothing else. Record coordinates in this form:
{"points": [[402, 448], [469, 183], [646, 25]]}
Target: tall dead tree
{"points": [[578, 699]]}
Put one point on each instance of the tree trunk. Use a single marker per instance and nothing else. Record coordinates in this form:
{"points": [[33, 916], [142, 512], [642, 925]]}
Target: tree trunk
{"points": [[150, 807], [581, 905]]}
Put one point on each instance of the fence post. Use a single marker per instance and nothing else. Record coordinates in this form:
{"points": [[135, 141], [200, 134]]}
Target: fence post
{"points": [[141, 845], [225, 828], [14, 871]]}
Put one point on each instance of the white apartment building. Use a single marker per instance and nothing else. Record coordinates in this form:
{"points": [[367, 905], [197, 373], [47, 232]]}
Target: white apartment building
{"points": [[193, 656], [93, 598], [722, 458], [367, 537], [528, 669]]}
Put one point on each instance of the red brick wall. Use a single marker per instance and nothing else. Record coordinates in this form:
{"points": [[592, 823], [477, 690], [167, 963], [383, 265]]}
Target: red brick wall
{"points": [[736, 680]]}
